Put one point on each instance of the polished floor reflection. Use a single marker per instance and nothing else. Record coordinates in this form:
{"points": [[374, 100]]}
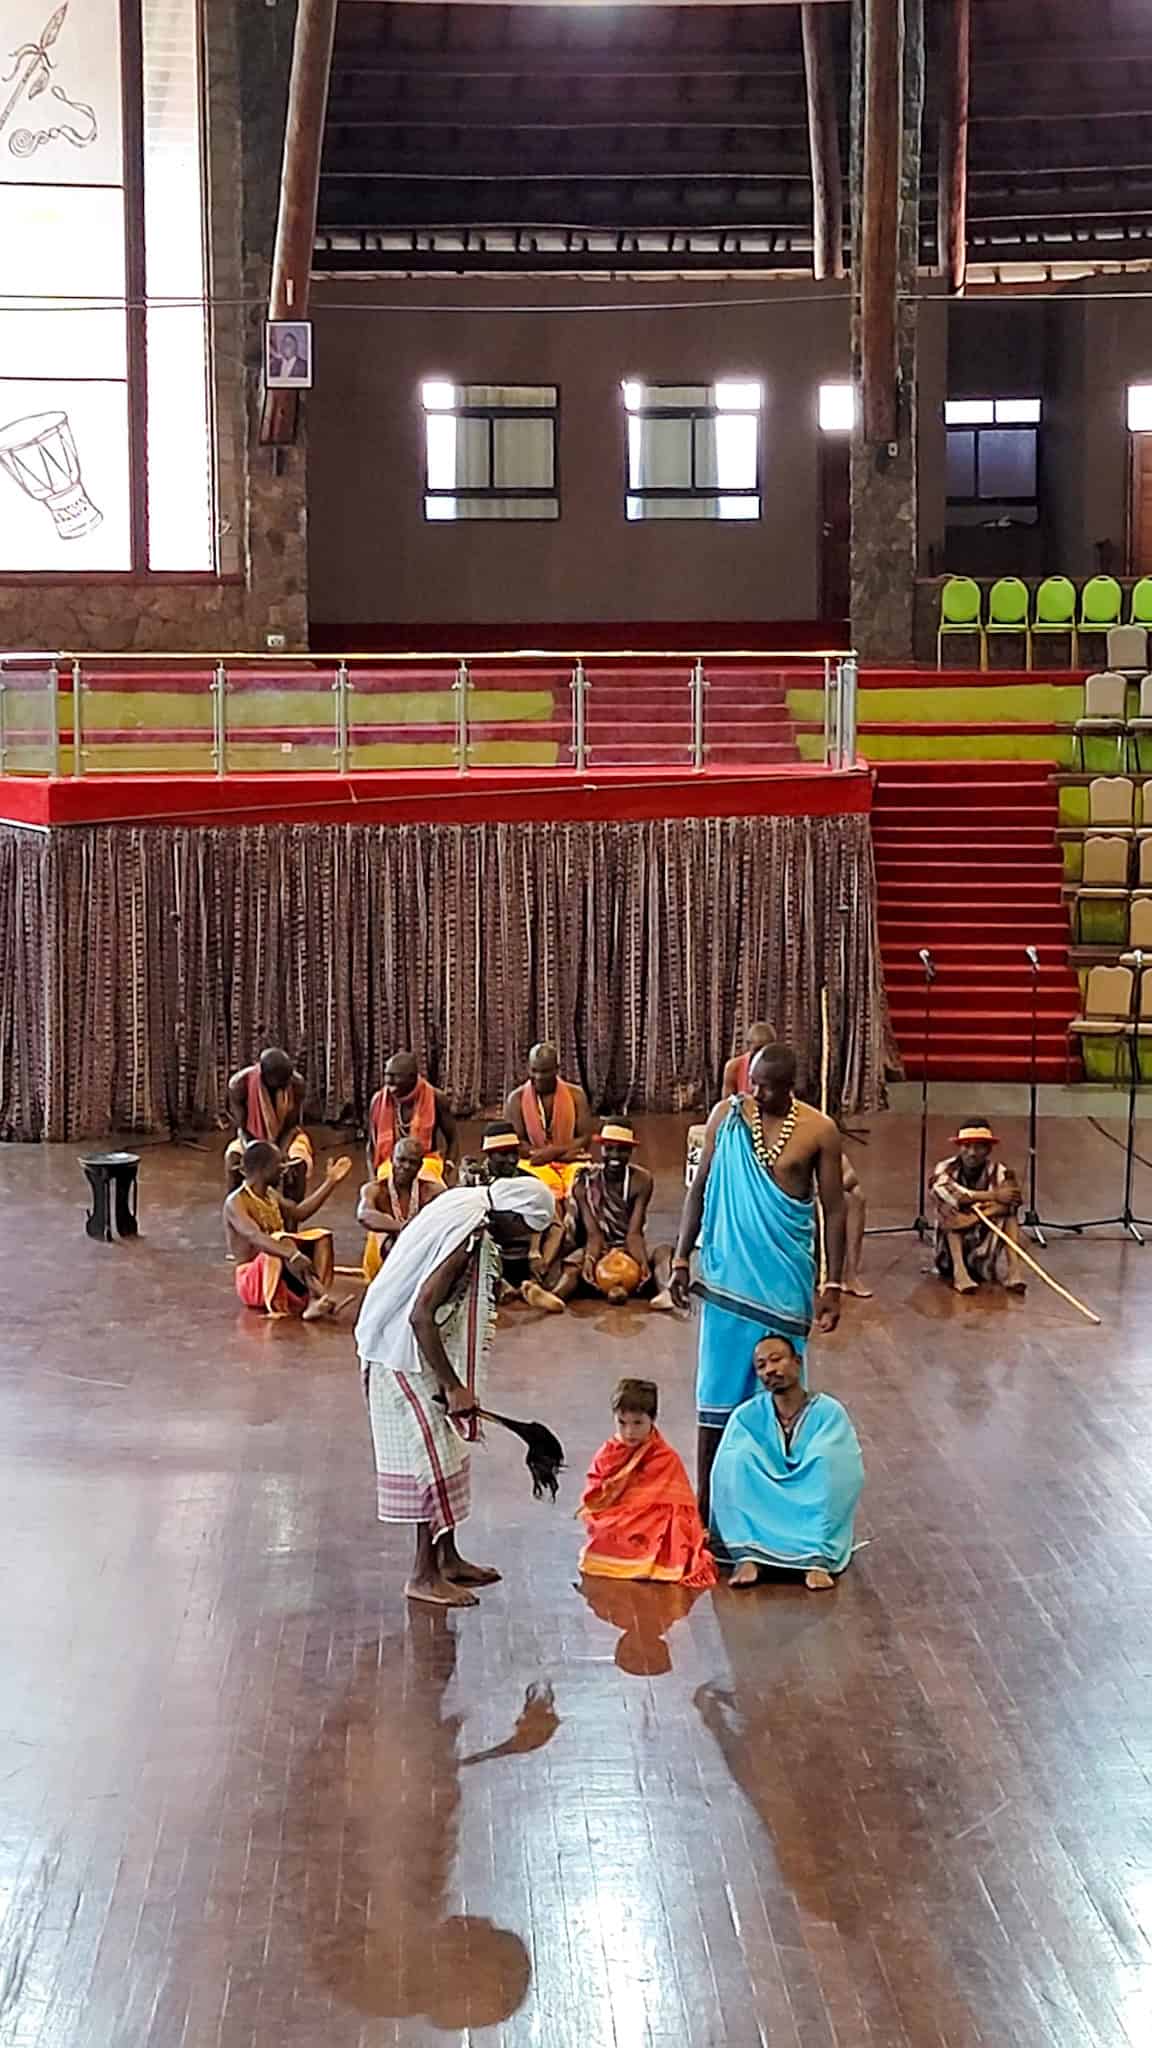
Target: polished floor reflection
{"points": [[248, 1801]]}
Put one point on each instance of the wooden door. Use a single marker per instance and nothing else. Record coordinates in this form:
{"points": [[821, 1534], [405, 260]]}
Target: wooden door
{"points": [[835, 528]]}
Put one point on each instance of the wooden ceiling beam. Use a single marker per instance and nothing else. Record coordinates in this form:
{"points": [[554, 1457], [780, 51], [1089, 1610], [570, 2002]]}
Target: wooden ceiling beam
{"points": [[952, 171], [880, 216], [299, 193], [823, 145]]}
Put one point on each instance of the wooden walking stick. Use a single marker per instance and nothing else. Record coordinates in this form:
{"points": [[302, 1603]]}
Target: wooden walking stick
{"points": [[825, 1050], [1020, 1253]]}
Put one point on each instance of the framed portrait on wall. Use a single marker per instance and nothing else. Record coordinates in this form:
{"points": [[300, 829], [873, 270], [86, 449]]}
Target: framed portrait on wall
{"points": [[288, 355]]}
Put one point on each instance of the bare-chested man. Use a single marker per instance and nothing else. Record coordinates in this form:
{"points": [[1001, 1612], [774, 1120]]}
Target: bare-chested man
{"points": [[751, 1207], [266, 1104], [609, 1205], [736, 1082], [388, 1204], [553, 1119], [280, 1268], [408, 1106]]}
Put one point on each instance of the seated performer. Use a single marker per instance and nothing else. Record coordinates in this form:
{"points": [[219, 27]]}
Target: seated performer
{"points": [[787, 1477], [274, 1272], [533, 1268], [423, 1334], [608, 1208], [266, 1101], [751, 1206], [736, 1075], [553, 1119], [638, 1507], [967, 1252], [409, 1106], [402, 1187]]}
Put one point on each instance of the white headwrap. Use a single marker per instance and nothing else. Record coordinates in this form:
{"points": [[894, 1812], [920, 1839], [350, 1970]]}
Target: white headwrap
{"points": [[384, 1334]]}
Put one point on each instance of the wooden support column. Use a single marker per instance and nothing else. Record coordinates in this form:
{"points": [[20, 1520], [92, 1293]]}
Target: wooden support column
{"points": [[952, 193], [299, 193], [887, 106], [823, 144]]}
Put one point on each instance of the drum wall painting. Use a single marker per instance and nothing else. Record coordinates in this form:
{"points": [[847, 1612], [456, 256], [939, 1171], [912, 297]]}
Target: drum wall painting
{"points": [[40, 455]]}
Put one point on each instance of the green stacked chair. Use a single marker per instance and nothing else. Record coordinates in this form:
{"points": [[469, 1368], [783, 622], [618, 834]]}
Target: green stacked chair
{"points": [[1008, 612], [960, 607], [1055, 611], [1101, 603], [1140, 603]]}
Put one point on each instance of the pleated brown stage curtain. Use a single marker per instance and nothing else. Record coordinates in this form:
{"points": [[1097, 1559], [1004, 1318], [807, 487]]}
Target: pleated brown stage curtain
{"points": [[168, 957]]}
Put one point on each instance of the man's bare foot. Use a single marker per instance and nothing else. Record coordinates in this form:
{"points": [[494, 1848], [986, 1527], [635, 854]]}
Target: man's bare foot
{"points": [[818, 1580], [1015, 1287], [325, 1305], [662, 1302], [539, 1297], [964, 1287], [858, 1290], [746, 1574], [461, 1573], [439, 1592]]}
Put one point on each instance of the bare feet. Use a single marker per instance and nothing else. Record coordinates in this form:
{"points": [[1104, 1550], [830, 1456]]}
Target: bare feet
{"points": [[858, 1290], [1016, 1287], [325, 1305], [746, 1574], [964, 1287], [461, 1573], [539, 1297], [439, 1593], [818, 1580], [661, 1302]]}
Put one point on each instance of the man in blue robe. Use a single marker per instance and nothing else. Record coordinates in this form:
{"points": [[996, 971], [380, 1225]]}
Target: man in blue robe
{"points": [[752, 1208], [787, 1478]]}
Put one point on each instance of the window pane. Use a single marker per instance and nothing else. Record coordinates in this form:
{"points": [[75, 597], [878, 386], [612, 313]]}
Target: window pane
{"points": [[472, 452], [1008, 463], [181, 494], [727, 450], [661, 397], [960, 465], [523, 454], [738, 397], [837, 408], [692, 508], [1017, 412], [64, 501], [63, 125], [492, 508], [660, 454], [440, 440], [515, 395], [968, 412], [1140, 408], [56, 243]]}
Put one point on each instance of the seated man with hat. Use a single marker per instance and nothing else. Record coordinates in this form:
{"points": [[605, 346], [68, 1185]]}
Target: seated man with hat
{"points": [[608, 1209], [967, 1252], [534, 1267]]}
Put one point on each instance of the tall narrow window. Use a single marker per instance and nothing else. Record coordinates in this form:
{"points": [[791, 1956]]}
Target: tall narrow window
{"points": [[105, 432], [490, 451], [693, 450]]}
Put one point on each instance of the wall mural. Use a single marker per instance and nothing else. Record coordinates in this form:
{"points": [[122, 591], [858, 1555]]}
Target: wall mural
{"points": [[32, 67]]}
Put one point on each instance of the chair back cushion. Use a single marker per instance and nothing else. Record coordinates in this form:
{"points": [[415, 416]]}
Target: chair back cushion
{"points": [[1100, 601], [1109, 992], [1106, 696], [1140, 922], [1008, 602], [1055, 602], [960, 602], [1110, 799], [1105, 863]]}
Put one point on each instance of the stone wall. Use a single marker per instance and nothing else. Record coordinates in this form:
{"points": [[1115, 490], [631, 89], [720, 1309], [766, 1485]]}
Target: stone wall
{"points": [[262, 585]]}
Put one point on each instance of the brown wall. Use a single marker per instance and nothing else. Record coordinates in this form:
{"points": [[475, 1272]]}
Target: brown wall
{"points": [[373, 557]]}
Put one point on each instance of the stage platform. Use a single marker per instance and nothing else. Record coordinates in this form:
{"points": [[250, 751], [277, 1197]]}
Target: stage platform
{"points": [[480, 796], [252, 1799]]}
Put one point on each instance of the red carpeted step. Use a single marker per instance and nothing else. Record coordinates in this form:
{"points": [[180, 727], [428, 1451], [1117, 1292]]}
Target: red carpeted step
{"points": [[967, 865]]}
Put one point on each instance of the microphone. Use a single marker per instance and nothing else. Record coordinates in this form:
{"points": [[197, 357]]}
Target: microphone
{"points": [[928, 964], [1033, 957]]}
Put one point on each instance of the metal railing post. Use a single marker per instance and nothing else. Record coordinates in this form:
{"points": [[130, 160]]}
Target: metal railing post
{"points": [[846, 685], [699, 685], [54, 710], [77, 718], [579, 717], [219, 688], [461, 687], [829, 717], [340, 686], [3, 728]]}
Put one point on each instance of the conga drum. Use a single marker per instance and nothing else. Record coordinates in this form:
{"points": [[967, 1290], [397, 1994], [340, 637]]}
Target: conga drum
{"points": [[695, 1149]]}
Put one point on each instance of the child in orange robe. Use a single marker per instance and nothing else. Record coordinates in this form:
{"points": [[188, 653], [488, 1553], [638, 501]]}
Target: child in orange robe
{"points": [[639, 1508]]}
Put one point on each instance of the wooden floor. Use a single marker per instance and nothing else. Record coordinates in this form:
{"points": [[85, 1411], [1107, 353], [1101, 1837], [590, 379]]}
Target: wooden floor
{"points": [[247, 1801]]}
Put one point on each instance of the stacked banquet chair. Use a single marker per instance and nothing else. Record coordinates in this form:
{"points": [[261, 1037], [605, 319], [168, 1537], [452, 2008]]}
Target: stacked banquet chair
{"points": [[1053, 614]]}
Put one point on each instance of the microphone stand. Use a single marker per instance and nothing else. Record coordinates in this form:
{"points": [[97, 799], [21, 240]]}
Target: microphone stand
{"points": [[1127, 1219], [1031, 1217], [921, 1228]]}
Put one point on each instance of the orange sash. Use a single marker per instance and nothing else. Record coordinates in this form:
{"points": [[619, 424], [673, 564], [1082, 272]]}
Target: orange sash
{"points": [[563, 1127], [742, 1073], [641, 1516], [382, 1122], [266, 1114]]}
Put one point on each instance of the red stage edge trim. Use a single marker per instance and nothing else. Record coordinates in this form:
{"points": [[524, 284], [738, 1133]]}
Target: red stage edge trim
{"points": [[530, 796]]}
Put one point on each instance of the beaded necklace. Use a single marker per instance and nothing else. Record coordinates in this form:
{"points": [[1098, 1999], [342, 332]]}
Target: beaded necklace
{"points": [[769, 1154]]}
